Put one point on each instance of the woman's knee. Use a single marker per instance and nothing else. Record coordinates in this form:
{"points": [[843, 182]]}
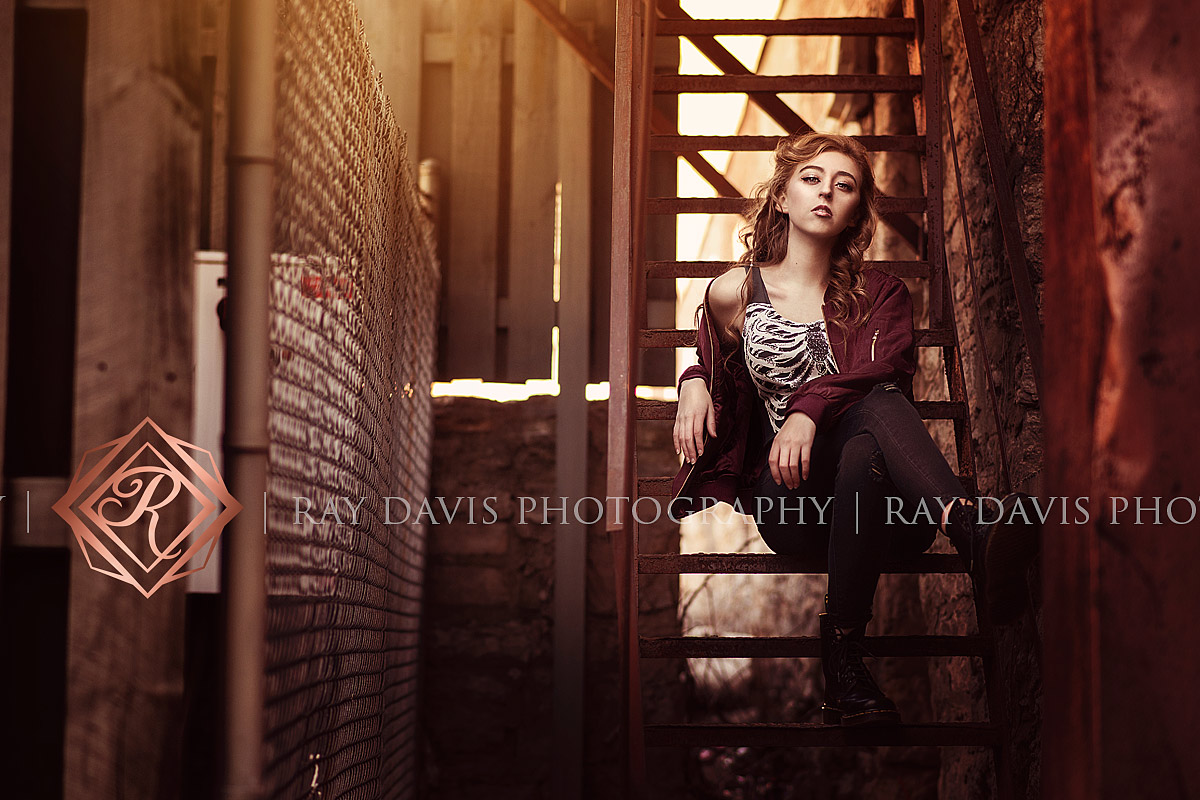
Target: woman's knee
{"points": [[794, 540], [887, 395], [862, 456], [885, 405]]}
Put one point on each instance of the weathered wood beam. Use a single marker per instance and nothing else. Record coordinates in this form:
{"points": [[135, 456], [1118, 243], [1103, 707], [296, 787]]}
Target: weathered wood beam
{"points": [[598, 65]]}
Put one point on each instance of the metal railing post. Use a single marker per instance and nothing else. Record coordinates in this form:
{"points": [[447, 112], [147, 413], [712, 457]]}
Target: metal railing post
{"points": [[251, 164]]}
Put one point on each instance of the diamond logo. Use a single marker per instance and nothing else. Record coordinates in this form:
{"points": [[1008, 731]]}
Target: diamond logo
{"points": [[147, 508]]}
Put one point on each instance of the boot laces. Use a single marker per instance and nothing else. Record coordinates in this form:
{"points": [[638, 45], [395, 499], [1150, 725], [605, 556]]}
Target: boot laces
{"points": [[851, 662]]}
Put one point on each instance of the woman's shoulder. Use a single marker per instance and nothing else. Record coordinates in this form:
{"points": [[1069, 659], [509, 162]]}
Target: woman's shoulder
{"points": [[725, 291], [877, 277], [878, 282]]}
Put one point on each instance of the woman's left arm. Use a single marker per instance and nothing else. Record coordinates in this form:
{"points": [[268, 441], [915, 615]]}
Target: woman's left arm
{"points": [[891, 358]]}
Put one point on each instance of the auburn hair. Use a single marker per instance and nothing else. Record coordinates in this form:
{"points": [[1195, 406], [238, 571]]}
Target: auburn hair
{"points": [[765, 236]]}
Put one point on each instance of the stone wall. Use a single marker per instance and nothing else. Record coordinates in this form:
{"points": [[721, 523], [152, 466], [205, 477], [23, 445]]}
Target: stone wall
{"points": [[488, 623], [1012, 34], [991, 339]]}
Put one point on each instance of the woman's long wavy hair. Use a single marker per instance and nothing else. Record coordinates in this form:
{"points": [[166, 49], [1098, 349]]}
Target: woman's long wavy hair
{"points": [[765, 237]]}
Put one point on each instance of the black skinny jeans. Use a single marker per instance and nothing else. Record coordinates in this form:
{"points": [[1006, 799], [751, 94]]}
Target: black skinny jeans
{"points": [[880, 448]]}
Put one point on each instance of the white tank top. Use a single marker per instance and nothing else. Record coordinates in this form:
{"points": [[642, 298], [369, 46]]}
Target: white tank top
{"points": [[781, 354]]}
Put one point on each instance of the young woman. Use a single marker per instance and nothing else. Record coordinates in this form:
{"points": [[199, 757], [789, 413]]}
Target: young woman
{"points": [[800, 413]]}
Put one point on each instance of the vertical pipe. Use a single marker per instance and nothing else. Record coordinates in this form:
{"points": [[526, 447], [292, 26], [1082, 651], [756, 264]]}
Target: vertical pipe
{"points": [[635, 19], [247, 370], [8, 12], [574, 145]]}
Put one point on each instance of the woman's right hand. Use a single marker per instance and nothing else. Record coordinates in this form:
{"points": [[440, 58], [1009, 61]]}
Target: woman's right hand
{"points": [[693, 415]]}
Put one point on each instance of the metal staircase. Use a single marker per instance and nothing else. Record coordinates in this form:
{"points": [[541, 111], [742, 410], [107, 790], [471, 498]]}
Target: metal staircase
{"points": [[639, 22]]}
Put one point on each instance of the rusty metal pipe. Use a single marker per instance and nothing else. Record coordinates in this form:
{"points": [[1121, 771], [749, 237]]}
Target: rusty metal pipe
{"points": [[250, 208]]}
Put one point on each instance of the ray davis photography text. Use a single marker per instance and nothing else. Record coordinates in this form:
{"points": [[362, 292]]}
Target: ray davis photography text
{"points": [[531, 510]]}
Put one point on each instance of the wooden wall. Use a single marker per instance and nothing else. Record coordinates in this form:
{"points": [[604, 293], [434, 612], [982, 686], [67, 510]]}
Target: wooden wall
{"points": [[134, 359], [487, 112]]}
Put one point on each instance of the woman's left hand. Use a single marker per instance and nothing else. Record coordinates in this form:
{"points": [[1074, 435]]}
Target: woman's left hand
{"points": [[791, 449]]}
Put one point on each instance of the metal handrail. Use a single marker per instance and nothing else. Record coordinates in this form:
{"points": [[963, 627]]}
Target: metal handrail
{"points": [[962, 203], [1006, 209]]}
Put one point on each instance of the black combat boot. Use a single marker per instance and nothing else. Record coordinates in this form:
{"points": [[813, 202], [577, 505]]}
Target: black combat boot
{"points": [[851, 695], [998, 554]]}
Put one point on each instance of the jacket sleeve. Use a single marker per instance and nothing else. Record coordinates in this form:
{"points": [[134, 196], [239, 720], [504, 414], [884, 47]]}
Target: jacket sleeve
{"points": [[705, 348], [825, 399]]}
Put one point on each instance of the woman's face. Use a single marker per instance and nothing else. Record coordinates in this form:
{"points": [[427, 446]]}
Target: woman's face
{"points": [[830, 180]]}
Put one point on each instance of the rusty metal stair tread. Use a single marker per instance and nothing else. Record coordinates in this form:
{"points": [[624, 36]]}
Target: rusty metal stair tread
{"points": [[737, 205], [805, 734], [928, 409], [921, 222], [675, 143], [660, 485], [775, 564], [787, 84], [711, 269], [686, 337], [813, 26], [928, 645]]}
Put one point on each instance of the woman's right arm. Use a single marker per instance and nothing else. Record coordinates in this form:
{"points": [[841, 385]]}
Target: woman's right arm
{"points": [[694, 415]]}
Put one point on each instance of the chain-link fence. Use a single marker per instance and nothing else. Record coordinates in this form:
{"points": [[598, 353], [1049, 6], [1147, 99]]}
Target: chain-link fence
{"points": [[353, 330]]}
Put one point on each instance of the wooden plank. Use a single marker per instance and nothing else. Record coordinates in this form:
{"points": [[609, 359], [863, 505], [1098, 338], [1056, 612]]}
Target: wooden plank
{"points": [[593, 58], [474, 190], [439, 15], [726, 84], [438, 48], [599, 66], [532, 191], [692, 144], [219, 220], [603, 121], [395, 37], [821, 26], [435, 133], [138, 233]]}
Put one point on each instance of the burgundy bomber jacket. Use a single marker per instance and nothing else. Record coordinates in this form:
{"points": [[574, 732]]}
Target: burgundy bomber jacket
{"points": [[881, 350]]}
